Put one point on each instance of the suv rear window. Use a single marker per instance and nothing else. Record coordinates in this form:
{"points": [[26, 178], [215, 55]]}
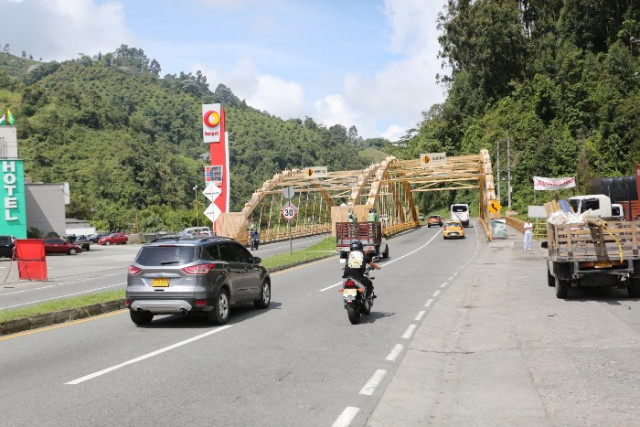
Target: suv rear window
{"points": [[166, 255]]}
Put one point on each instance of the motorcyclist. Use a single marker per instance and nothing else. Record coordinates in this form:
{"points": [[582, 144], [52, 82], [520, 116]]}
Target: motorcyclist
{"points": [[357, 262], [255, 239]]}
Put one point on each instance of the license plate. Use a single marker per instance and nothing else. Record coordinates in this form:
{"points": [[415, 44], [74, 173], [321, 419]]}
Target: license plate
{"points": [[603, 264], [350, 292], [161, 282]]}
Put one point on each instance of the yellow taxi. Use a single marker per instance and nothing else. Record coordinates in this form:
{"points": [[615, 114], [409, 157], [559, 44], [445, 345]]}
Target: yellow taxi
{"points": [[453, 230]]}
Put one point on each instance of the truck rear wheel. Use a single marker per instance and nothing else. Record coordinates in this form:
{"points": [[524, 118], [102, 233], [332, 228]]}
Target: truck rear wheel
{"points": [[562, 288], [551, 281], [633, 289]]}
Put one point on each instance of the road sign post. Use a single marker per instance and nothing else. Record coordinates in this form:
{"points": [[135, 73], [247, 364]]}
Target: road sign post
{"points": [[288, 212]]}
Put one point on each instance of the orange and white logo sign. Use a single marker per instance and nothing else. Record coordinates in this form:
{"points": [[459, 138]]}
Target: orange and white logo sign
{"points": [[211, 120]]}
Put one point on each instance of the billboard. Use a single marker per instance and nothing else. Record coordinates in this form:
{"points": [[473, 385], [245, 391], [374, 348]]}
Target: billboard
{"points": [[13, 218], [213, 128]]}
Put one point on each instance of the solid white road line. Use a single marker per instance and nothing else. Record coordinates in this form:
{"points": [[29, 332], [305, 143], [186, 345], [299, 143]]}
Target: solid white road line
{"points": [[395, 352], [407, 334], [146, 356], [61, 296], [332, 286], [346, 417], [373, 382], [419, 316]]}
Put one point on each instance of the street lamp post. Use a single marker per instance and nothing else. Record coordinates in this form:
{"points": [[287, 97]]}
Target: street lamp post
{"points": [[195, 191]]}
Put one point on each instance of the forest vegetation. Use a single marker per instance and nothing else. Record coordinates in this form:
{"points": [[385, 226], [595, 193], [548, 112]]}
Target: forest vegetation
{"points": [[558, 78]]}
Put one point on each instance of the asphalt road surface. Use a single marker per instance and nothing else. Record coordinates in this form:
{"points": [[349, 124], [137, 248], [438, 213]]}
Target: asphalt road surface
{"points": [[464, 332], [101, 269]]}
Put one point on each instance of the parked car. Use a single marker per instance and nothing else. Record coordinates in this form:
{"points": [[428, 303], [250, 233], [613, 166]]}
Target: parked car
{"points": [[81, 240], [453, 229], [114, 239], [7, 246], [56, 245], [194, 274], [93, 238], [420, 217], [434, 220]]}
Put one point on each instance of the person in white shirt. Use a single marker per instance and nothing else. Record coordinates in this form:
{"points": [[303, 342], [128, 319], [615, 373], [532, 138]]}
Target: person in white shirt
{"points": [[528, 235]]}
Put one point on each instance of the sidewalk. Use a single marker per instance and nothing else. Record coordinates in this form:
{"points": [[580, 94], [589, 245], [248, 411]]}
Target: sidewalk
{"points": [[497, 348], [464, 365]]}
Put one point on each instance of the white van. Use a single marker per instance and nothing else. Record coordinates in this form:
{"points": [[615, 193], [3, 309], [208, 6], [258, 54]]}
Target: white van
{"points": [[193, 231], [460, 212]]}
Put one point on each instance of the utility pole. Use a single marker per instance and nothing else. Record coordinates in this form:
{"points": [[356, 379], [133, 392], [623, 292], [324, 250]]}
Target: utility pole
{"points": [[498, 166], [508, 171]]}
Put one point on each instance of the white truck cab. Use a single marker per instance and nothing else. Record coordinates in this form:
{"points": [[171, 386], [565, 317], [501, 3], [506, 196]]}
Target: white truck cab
{"points": [[598, 203]]}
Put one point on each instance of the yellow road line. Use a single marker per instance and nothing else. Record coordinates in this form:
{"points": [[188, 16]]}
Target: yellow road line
{"points": [[62, 325]]}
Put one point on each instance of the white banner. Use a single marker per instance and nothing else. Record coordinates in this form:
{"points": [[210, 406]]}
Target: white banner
{"points": [[541, 183]]}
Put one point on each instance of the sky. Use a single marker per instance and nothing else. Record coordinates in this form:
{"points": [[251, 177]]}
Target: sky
{"points": [[371, 64]]}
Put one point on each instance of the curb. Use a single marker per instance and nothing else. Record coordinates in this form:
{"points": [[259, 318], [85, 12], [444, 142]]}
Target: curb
{"points": [[62, 316]]}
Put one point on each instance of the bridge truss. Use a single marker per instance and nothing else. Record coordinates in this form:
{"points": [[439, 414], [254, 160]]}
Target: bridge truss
{"points": [[386, 188]]}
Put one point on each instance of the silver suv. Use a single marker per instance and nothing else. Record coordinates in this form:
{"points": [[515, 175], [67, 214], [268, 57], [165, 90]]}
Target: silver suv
{"points": [[188, 274]]}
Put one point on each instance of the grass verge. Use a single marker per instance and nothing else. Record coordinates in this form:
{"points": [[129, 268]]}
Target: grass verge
{"points": [[324, 247], [60, 304]]}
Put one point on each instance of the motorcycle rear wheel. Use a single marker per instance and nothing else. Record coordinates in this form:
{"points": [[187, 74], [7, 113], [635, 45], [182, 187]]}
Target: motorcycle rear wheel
{"points": [[354, 314]]}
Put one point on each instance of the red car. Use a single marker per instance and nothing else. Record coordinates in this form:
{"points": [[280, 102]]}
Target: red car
{"points": [[114, 238], [434, 220], [55, 245]]}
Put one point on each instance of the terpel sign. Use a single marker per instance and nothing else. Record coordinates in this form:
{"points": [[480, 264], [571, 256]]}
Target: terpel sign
{"points": [[211, 119]]}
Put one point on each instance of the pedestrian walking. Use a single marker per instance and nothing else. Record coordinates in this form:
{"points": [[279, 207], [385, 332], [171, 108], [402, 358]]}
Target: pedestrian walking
{"points": [[528, 235]]}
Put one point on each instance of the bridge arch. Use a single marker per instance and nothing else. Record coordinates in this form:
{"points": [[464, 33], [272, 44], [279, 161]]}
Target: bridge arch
{"points": [[388, 187]]}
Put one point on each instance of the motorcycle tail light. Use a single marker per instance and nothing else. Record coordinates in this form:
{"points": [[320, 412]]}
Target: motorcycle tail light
{"points": [[349, 283]]}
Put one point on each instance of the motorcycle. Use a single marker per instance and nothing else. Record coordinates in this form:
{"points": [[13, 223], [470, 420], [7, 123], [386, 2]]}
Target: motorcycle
{"points": [[356, 301]]}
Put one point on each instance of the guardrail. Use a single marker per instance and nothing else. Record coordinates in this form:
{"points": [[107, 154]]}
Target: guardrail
{"points": [[487, 230], [539, 226], [271, 236], [391, 230]]}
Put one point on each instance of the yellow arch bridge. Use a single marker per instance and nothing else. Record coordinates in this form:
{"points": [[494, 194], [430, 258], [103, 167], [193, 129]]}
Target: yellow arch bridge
{"points": [[388, 187]]}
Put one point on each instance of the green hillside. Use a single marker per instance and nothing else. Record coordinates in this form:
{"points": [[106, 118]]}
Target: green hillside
{"points": [[558, 79], [130, 143]]}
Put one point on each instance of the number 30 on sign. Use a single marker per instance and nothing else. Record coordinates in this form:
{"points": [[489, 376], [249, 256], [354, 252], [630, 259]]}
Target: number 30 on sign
{"points": [[289, 212]]}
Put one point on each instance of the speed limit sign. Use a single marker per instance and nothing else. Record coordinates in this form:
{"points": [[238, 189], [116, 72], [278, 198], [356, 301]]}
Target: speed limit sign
{"points": [[289, 212]]}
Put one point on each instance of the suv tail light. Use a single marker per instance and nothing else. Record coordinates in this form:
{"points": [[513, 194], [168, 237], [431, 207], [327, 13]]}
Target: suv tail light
{"points": [[133, 270], [199, 269]]}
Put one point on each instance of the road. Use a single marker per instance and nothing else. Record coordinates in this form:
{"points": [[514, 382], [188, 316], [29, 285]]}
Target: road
{"points": [[464, 332], [101, 269]]}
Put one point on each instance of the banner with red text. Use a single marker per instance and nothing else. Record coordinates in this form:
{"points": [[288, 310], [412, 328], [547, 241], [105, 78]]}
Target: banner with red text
{"points": [[541, 183]]}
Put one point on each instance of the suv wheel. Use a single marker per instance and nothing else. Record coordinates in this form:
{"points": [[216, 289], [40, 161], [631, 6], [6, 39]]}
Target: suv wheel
{"points": [[220, 313], [266, 296], [141, 318]]}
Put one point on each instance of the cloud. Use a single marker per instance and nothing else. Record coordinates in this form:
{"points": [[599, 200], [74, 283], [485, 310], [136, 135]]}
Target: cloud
{"points": [[61, 29], [277, 96], [392, 99]]}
